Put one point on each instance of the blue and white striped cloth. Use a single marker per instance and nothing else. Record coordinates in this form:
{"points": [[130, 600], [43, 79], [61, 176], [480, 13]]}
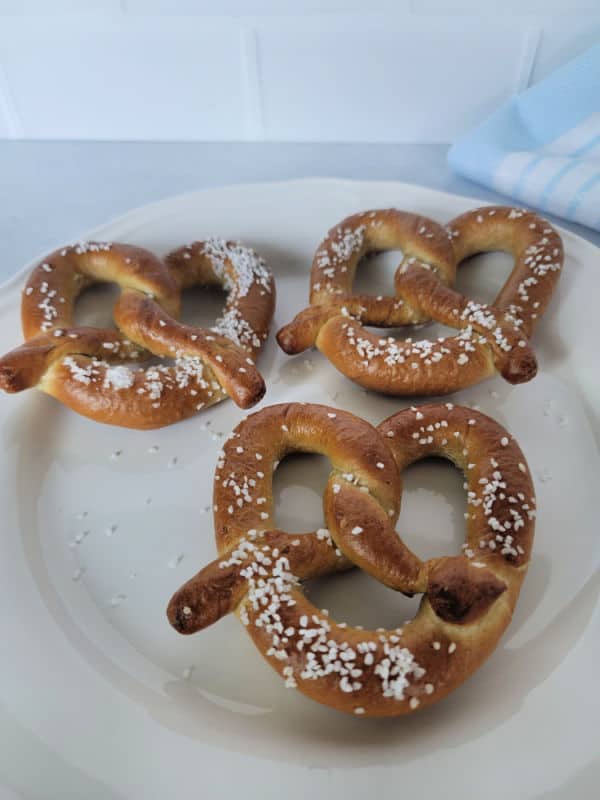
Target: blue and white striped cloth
{"points": [[543, 147]]}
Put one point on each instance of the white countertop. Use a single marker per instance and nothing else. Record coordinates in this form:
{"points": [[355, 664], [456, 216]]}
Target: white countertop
{"points": [[52, 192]]}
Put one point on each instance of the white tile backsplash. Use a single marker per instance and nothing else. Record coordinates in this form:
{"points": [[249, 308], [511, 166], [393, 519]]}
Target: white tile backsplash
{"points": [[540, 8], [256, 8], [59, 7], [254, 110], [10, 122], [111, 83], [309, 70], [564, 39], [409, 83]]}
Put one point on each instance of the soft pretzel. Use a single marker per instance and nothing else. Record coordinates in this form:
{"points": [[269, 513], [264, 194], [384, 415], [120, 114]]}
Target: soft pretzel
{"points": [[468, 599], [85, 367], [492, 338]]}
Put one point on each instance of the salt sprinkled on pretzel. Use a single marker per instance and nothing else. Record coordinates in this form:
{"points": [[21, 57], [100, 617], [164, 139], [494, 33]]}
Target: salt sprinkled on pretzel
{"points": [[468, 599], [492, 338], [337, 258], [86, 368]]}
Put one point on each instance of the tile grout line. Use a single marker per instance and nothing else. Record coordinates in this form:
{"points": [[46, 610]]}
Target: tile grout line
{"points": [[8, 108], [531, 46], [254, 116]]}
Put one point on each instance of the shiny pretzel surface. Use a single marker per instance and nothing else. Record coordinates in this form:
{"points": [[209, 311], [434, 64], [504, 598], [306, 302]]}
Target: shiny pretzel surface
{"points": [[491, 338], [89, 369], [468, 599]]}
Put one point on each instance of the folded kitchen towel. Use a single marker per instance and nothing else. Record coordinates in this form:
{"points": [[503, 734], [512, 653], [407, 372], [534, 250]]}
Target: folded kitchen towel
{"points": [[543, 146]]}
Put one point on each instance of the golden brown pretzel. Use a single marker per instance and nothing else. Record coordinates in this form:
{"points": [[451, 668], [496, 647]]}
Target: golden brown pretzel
{"points": [[468, 599], [492, 338], [84, 367]]}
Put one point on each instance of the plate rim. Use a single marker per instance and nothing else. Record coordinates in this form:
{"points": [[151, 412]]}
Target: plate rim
{"points": [[130, 215]]}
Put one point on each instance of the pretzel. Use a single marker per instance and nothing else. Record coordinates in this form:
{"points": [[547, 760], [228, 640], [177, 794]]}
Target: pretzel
{"points": [[84, 367], [492, 338], [468, 599]]}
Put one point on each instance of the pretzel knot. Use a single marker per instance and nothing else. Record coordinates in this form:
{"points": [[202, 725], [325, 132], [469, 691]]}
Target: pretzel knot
{"points": [[492, 338], [85, 367], [468, 599]]}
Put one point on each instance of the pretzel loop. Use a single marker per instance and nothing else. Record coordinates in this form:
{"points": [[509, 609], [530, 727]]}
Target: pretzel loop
{"points": [[468, 599], [86, 367]]}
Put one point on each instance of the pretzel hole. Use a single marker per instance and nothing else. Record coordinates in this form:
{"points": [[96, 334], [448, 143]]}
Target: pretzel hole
{"points": [[481, 276], [426, 330], [356, 598], [94, 306], [375, 273], [202, 305], [432, 521], [298, 484]]}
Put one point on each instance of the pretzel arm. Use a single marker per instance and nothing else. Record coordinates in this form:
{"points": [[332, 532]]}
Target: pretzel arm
{"points": [[219, 588], [26, 365], [147, 324], [374, 546], [301, 333], [512, 354]]}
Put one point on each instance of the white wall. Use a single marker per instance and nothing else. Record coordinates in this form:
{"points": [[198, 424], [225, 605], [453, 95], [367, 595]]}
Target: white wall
{"points": [[333, 70]]}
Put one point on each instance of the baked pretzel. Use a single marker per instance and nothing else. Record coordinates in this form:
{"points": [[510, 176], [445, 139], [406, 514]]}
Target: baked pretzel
{"points": [[492, 338], [468, 599], [85, 367]]}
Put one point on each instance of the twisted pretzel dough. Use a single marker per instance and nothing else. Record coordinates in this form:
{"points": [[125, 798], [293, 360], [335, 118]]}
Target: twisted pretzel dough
{"points": [[492, 338], [83, 367], [468, 599], [335, 263]]}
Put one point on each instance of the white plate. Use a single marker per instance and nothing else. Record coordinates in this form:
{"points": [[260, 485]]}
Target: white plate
{"points": [[96, 699]]}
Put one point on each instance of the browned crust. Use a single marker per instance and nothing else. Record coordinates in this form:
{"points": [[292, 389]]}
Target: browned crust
{"points": [[26, 365], [491, 339], [60, 277], [468, 600], [350, 443], [405, 367], [141, 405], [216, 590], [79, 365], [146, 323], [508, 347], [486, 446], [337, 257], [536, 247], [245, 469], [192, 265], [459, 593]]}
